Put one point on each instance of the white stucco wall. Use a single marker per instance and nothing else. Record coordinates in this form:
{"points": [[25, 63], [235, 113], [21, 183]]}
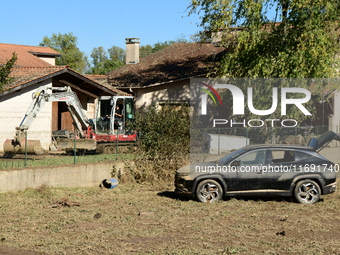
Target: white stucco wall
{"points": [[334, 121], [13, 108], [153, 95], [218, 144], [50, 60]]}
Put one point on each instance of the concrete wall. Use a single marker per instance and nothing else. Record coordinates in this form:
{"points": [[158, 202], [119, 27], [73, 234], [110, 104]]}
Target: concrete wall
{"points": [[12, 110], [331, 153], [224, 143], [334, 120], [80, 175], [173, 92]]}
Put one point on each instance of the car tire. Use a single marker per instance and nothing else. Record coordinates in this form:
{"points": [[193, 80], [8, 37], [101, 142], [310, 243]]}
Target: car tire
{"points": [[307, 192], [209, 191]]}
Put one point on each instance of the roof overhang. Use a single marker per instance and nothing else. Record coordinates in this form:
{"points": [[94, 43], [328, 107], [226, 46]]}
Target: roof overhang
{"points": [[68, 75], [164, 83], [45, 54]]}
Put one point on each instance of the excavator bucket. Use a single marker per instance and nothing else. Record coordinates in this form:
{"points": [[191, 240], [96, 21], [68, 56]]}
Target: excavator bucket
{"points": [[33, 147], [82, 144]]}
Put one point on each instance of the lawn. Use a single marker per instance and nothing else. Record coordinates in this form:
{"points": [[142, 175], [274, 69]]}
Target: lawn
{"points": [[139, 219], [20, 161]]}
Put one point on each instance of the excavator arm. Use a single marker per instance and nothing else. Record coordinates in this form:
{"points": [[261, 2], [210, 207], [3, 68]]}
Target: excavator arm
{"points": [[40, 97]]}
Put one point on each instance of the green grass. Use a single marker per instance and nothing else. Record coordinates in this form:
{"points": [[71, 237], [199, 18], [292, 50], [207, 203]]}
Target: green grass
{"points": [[39, 161]]}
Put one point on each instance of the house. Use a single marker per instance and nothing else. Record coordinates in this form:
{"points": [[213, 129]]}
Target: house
{"points": [[164, 77], [34, 68]]}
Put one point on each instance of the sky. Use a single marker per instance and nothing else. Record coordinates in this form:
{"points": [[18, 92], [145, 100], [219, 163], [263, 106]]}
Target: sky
{"points": [[103, 23]]}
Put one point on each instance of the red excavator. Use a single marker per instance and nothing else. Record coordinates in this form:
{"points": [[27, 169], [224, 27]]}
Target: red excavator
{"points": [[101, 134]]}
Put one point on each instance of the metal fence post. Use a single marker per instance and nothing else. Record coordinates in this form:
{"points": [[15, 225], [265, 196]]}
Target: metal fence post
{"points": [[25, 161], [219, 142], [74, 149]]}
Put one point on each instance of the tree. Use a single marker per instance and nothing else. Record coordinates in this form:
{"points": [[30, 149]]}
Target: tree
{"points": [[303, 44], [117, 53], [98, 55], [148, 49], [66, 45], [273, 39], [102, 64], [5, 70], [145, 50]]}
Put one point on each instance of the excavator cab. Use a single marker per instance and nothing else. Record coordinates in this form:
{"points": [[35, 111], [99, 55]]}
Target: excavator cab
{"points": [[113, 114], [109, 125]]}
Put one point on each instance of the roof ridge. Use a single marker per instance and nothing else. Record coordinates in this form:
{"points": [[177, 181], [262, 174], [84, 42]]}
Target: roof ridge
{"points": [[169, 48], [24, 45], [175, 62], [41, 67]]}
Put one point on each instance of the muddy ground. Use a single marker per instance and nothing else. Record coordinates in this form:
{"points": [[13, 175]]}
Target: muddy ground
{"points": [[137, 219], [144, 219]]}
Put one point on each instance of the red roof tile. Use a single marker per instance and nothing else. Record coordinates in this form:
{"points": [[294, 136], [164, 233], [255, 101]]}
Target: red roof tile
{"points": [[178, 61], [30, 69], [24, 75], [25, 54]]}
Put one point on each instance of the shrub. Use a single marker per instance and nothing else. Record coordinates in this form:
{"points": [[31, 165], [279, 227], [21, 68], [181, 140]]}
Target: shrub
{"points": [[165, 132], [163, 142]]}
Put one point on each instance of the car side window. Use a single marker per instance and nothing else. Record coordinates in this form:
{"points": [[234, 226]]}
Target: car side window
{"points": [[252, 158], [304, 156], [282, 156]]}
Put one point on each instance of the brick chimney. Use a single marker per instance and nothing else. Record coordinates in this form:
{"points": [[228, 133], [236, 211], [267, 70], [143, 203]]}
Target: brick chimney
{"points": [[132, 50]]}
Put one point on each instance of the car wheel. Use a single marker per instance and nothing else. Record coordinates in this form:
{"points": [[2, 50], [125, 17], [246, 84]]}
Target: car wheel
{"points": [[209, 191], [307, 192]]}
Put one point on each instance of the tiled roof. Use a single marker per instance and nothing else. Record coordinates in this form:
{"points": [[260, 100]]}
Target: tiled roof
{"points": [[178, 61], [30, 69], [24, 75], [101, 79], [25, 54], [27, 75]]}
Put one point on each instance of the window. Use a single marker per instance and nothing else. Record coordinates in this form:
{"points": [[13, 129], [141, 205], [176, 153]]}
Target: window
{"points": [[253, 158], [282, 156]]}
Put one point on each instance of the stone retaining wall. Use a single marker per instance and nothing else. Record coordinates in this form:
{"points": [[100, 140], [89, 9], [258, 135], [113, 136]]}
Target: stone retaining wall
{"points": [[79, 175]]}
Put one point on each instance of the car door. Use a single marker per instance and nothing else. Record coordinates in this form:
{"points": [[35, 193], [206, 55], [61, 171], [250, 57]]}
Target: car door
{"points": [[281, 169], [250, 176]]}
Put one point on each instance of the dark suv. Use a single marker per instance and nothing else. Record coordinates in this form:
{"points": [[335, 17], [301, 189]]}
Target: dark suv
{"points": [[283, 170]]}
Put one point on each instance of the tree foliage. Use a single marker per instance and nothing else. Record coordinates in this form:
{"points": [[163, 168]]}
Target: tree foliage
{"points": [[5, 70], [66, 45], [274, 39], [98, 55], [116, 53], [105, 61], [149, 49], [163, 145], [164, 132], [303, 44]]}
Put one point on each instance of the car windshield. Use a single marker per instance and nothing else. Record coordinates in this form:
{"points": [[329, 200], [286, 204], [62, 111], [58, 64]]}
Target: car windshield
{"points": [[227, 159]]}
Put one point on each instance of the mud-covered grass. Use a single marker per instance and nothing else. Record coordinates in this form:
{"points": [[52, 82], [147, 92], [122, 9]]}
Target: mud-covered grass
{"points": [[137, 219], [55, 159]]}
